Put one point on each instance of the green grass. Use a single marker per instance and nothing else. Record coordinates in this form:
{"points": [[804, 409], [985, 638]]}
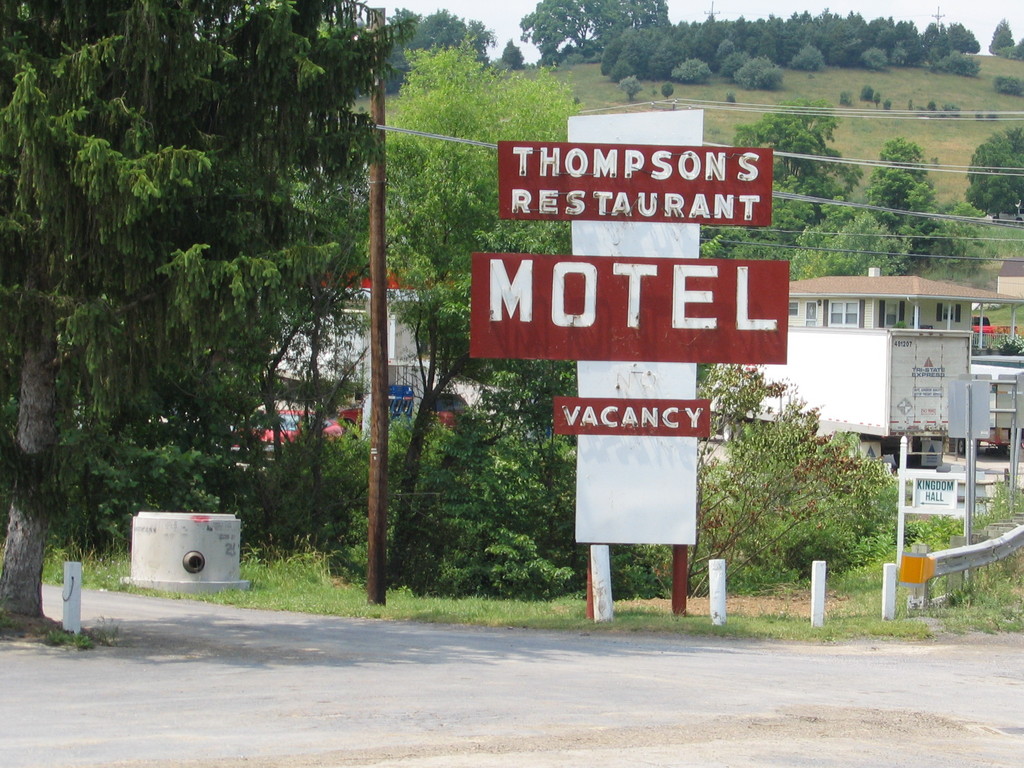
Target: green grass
{"points": [[303, 583], [948, 141]]}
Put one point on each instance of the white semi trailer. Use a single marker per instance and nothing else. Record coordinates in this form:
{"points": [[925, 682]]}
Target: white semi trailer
{"points": [[880, 383]]}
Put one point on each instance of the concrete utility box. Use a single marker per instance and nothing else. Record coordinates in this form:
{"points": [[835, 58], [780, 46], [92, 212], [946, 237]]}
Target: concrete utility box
{"points": [[186, 552]]}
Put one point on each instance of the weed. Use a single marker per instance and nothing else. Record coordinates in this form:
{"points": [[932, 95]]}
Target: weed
{"points": [[60, 637]]}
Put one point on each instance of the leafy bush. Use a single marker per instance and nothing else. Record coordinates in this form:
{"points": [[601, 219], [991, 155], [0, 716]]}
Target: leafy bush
{"points": [[808, 59], [867, 93], [957, 64], [874, 59], [493, 513], [667, 89], [730, 64], [846, 99], [759, 74], [783, 496], [692, 72], [1011, 345], [630, 86], [1011, 86]]}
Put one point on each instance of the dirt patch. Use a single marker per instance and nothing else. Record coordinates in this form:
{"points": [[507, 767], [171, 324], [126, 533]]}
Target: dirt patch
{"points": [[26, 628], [795, 604]]}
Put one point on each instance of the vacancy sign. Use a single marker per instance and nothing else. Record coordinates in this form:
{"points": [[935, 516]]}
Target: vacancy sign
{"points": [[716, 186], [629, 309], [616, 416]]}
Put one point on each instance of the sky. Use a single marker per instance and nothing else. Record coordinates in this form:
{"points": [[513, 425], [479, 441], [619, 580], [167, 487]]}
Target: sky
{"points": [[980, 17]]}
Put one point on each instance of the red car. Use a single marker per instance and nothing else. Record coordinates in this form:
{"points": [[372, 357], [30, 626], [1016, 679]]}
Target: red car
{"points": [[291, 425]]}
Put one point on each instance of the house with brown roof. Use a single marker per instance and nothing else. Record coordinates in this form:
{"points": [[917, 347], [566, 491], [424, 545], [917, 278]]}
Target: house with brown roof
{"points": [[877, 301]]}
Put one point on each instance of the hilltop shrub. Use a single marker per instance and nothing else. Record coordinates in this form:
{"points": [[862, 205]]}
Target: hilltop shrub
{"points": [[808, 59], [957, 64], [692, 72], [759, 75], [1011, 86]]}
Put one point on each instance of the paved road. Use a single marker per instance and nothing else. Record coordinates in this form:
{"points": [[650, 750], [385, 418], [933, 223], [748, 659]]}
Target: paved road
{"points": [[191, 684]]}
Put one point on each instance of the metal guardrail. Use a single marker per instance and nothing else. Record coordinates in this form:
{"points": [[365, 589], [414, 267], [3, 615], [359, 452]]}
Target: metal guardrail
{"points": [[916, 569]]}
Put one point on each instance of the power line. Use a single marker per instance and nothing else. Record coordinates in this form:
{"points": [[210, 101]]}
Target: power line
{"points": [[892, 235], [854, 251], [827, 111], [776, 195]]}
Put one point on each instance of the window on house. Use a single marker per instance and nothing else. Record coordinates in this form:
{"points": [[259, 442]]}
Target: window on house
{"points": [[891, 312], [844, 314], [944, 313], [794, 308]]}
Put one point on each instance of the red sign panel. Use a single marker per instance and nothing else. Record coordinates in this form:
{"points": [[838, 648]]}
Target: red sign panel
{"points": [[629, 309], [717, 186], [615, 416]]}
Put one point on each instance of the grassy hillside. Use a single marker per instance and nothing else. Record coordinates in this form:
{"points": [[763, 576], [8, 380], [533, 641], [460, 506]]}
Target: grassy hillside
{"points": [[946, 141]]}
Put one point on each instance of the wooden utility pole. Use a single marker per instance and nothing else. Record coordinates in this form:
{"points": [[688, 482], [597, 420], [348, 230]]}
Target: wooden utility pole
{"points": [[376, 586]]}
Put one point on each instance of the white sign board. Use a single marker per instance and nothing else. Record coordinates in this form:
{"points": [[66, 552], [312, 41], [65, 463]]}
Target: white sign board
{"points": [[935, 493], [631, 489]]}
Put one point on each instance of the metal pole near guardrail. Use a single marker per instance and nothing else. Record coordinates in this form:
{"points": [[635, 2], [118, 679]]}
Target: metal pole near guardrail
{"points": [[969, 418]]}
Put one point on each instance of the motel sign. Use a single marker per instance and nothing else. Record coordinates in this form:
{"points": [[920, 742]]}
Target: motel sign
{"points": [[653, 309]]}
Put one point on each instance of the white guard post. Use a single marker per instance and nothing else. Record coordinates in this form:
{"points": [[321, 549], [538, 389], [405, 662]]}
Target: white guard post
{"points": [[818, 581], [72, 620], [717, 591]]}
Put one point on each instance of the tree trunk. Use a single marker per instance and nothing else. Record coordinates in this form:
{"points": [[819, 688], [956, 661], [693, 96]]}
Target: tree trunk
{"points": [[21, 583]]}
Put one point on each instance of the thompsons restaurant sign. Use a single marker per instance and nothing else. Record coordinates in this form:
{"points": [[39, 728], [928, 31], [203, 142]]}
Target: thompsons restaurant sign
{"points": [[716, 186]]}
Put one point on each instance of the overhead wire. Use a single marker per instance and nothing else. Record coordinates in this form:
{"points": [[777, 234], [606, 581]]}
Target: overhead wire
{"points": [[972, 220]]}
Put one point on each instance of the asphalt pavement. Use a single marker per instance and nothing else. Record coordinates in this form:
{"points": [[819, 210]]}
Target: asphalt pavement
{"points": [[194, 684]]}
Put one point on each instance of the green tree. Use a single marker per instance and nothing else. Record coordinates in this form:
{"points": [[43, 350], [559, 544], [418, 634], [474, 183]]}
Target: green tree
{"points": [[443, 29], [847, 245], [442, 208], [803, 135], [512, 56], [874, 59], [156, 159], [1002, 39], [904, 187], [997, 192], [440, 29], [561, 27], [956, 64]]}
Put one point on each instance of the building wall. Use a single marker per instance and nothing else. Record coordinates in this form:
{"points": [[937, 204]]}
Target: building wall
{"points": [[1014, 286]]}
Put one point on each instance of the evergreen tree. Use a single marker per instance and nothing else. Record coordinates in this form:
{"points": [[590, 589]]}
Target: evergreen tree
{"points": [[158, 164], [1002, 39], [512, 56]]}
